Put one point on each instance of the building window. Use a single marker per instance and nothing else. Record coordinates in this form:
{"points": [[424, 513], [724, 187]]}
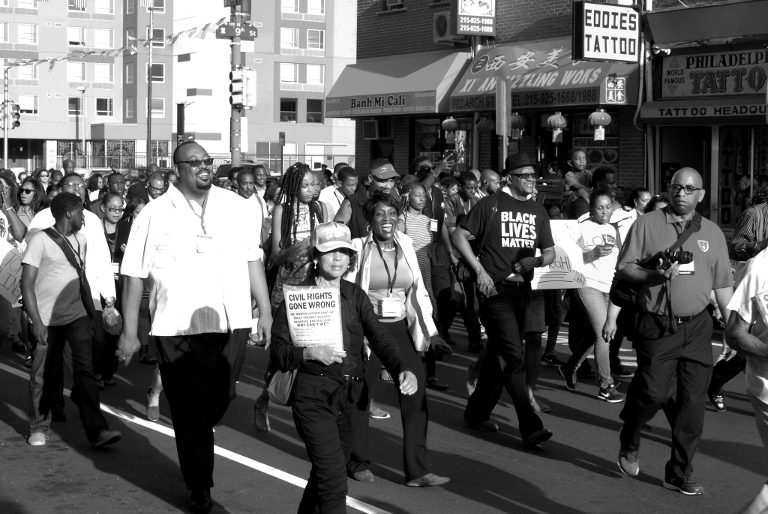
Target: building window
{"points": [[315, 6], [28, 104], [158, 37], [289, 6], [315, 74], [316, 39], [27, 4], [74, 106], [289, 72], [158, 107], [288, 109], [289, 37], [156, 5], [130, 108], [102, 38], [27, 34], [130, 72], [104, 73], [76, 5], [130, 7], [76, 36], [76, 71], [28, 72], [103, 7], [158, 72], [104, 107], [3, 32], [314, 111]]}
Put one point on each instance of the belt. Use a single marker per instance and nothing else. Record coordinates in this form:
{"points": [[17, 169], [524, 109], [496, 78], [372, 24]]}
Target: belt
{"points": [[682, 320], [346, 378]]}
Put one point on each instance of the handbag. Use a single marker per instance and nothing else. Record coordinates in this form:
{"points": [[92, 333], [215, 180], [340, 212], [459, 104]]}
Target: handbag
{"points": [[280, 387], [74, 260], [624, 293]]}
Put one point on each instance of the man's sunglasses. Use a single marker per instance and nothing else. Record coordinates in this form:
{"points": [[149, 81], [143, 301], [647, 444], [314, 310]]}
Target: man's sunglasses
{"points": [[196, 163]]}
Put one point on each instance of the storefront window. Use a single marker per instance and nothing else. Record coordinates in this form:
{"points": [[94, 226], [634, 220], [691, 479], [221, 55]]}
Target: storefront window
{"points": [[426, 136], [743, 161]]}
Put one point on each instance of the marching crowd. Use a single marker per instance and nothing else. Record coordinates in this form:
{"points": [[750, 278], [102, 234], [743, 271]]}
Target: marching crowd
{"points": [[183, 263]]}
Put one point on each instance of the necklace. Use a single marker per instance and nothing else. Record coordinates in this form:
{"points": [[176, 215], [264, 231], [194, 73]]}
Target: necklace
{"points": [[389, 249]]}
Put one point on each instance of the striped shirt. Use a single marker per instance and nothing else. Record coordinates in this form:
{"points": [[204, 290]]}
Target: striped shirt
{"points": [[751, 228]]}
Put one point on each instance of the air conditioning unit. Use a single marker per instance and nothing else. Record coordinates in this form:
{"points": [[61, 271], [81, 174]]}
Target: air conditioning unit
{"points": [[394, 4], [443, 29], [377, 129]]}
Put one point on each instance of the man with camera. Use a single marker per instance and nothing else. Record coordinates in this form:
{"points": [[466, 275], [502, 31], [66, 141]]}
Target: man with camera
{"points": [[678, 258]]}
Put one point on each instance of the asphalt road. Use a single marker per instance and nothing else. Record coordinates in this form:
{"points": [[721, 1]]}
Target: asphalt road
{"points": [[259, 472]]}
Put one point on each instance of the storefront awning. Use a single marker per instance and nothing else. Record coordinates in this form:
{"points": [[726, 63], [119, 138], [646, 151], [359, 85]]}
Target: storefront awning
{"points": [[393, 85], [720, 111], [734, 20], [541, 74]]}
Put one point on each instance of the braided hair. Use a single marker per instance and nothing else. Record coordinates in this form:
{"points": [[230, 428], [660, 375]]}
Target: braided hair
{"points": [[289, 198]]}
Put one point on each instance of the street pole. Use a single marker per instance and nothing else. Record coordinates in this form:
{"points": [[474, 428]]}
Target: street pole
{"points": [[234, 120], [150, 78], [83, 121], [5, 116]]}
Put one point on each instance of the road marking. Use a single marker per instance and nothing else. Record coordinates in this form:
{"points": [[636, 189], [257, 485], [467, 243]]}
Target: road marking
{"points": [[218, 450]]}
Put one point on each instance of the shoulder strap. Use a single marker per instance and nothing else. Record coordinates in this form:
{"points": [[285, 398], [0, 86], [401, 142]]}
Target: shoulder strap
{"points": [[694, 226], [68, 253]]}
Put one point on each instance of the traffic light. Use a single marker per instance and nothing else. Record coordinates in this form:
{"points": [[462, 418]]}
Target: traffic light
{"points": [[236, 87], [15, 115]]}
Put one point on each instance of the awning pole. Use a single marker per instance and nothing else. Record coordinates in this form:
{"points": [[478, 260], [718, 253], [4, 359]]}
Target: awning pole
{"points": [[751, 161]]}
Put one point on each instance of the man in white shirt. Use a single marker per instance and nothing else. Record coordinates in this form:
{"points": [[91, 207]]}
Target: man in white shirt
{"points": [[333, 196], [260, 180], [202, 270], [256, 204]]}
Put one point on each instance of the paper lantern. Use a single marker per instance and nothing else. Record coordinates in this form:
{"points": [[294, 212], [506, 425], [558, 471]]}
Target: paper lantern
{"points": [[600, 119], [450, 124], [486, 123], [557, 123], [517, 125]]}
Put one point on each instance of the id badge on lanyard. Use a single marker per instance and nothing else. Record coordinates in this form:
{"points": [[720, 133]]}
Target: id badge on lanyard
{"points": [[390, 306]]}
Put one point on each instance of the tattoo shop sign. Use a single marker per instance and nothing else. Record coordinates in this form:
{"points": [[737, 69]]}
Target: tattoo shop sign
{"points": [[10, 272], [741, 72], [314, 316], [567, 270], [604, 32]]}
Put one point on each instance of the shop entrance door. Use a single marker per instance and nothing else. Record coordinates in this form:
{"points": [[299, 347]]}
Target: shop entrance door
{"points": [[685, 147]]}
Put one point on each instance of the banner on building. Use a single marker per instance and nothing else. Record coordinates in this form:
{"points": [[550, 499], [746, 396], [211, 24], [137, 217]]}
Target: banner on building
{"points": [[567, 270], [740, 72]]}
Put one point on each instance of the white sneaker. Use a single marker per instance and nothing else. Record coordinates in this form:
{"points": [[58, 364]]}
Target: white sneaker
{"points": [[37, 439]]}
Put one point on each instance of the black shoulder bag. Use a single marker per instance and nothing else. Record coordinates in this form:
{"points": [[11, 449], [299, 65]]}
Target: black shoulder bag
{"points": [[74, 260]]}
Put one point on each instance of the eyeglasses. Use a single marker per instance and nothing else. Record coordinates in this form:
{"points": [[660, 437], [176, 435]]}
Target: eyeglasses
{"points": [[74, 186], [43, 176], [157, 189], [115, 209], [30, 191], [689, 190], [525, 176], [196, 163]]}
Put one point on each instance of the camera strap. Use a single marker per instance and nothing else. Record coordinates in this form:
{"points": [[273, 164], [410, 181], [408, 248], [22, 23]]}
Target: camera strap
{"points": [[693, 226]]}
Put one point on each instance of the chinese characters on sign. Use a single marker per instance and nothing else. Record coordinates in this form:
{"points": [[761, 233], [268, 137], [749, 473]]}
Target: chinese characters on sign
{"points": [[616, 90], [475, 17], [717, 73], [605, 32]]}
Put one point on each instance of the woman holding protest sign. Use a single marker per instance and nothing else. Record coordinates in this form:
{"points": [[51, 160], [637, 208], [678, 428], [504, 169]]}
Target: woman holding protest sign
{"points": [[330, 395], [388, 271]]}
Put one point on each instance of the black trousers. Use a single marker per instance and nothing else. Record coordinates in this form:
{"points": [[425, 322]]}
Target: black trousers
{"points": [[724, 371], [504, 363], [665, 360], [199, 374], [327, 413]]}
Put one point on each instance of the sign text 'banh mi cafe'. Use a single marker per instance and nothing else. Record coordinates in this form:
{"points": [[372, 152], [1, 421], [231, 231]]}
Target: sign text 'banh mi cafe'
{"points": [[718, 73]]}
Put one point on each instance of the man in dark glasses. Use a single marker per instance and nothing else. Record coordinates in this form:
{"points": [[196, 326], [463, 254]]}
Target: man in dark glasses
{"points": [[383, 177], [203, 270]]}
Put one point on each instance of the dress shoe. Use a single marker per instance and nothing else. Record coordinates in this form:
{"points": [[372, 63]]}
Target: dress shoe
{"points": [[717, 401], [436, 384], [106, 437], [428, 480], [200, 501], [629, 463], [363, 476], [537, 437]]}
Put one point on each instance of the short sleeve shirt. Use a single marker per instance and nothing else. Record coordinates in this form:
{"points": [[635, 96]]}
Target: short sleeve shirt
{"points": [[599, 273], [507, 230], [657, 231]]}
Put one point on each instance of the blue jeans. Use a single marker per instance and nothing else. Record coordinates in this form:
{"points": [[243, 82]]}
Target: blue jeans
{"points": [[596, 304], [47, 374]]}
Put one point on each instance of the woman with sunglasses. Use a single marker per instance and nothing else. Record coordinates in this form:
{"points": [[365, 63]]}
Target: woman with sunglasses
{"points": [[12, 228], [44, 176]]}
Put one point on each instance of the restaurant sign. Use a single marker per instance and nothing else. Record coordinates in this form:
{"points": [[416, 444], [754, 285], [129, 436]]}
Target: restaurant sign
{"points": [[741, 72], [382, 104], [474, 17]]}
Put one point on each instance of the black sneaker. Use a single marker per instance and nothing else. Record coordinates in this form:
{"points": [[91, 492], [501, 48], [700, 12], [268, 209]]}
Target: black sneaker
{"points": [[685, 485], [569, 376], [610, 394], [551, 360], [717, 401]]}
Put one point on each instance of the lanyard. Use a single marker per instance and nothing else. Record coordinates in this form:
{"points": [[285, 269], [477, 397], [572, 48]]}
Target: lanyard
{"points": [[202, 212], [390, 279]]}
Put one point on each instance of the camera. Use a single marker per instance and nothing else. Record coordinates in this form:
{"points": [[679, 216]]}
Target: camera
{"points": [[669, 257]]}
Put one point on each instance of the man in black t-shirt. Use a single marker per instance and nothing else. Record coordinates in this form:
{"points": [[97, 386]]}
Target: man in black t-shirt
{"points": [[508, 229]]}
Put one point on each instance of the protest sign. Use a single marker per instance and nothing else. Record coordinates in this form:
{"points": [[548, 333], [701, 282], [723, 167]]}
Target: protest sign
{"points": [[567, 270], [10, 272], [314, 316]]}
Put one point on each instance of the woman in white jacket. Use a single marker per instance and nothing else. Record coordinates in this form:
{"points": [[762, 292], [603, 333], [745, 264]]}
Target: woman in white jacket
{"points": [[388, 272]]}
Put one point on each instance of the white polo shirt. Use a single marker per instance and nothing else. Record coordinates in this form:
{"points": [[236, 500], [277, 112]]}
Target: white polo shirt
{"points": [[98, 260], [332, 198], [198, 280]]}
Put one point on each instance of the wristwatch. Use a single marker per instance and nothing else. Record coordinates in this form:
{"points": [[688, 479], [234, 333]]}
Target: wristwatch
{"points": [[109, 302]]}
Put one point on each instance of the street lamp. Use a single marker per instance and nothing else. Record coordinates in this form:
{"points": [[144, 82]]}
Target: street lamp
{"points": [[82, 115]]}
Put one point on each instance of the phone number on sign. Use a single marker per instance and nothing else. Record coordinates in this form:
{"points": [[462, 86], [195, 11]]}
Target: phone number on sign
{"points": [[563, 97], [475, 28]]}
